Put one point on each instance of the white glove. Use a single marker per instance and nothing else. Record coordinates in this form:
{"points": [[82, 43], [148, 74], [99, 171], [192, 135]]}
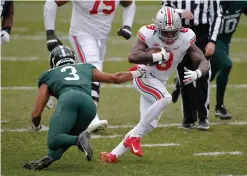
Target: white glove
{"points": [[4, 37], [160, 57], [139, 73], [190, 76]]}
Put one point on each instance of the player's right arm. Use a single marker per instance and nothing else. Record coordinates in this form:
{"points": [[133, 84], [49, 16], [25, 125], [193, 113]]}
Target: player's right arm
{"points": [[39, 106], [50, 10], [116, 78], [138, 54]]}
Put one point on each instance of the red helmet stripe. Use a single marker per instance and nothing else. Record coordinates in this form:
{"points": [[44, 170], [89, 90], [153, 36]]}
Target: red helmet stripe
{"points": [[169, 16]]}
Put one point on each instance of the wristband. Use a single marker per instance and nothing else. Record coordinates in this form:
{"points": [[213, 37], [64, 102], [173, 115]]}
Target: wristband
{"points": [[157, 57], [136, 74], [199, 73], [7, 29]]}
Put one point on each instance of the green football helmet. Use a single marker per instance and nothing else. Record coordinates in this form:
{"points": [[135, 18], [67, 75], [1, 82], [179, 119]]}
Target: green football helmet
{"points": [[61, 55]]}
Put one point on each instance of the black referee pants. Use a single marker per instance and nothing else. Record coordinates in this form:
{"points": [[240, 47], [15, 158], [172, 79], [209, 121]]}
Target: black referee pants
{"points": [[195, 99]]}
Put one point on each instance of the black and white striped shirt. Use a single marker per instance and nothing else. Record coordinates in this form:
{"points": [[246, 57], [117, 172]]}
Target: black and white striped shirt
{"points": [[204, 11]]}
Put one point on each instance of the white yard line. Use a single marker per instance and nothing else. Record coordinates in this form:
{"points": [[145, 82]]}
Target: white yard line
{"points": [[128, 126], [114, 39], [177, 124], [160, 145], [218, 153], [238, 59], [119, 86], [4, 121]]}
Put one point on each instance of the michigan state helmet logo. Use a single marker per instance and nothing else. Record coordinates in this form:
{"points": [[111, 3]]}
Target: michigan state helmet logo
{"points": [[61, 55]]}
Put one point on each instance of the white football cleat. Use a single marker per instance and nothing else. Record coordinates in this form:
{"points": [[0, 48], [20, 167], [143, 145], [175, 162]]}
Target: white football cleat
{"points": [[97, 125], [50, 103]]}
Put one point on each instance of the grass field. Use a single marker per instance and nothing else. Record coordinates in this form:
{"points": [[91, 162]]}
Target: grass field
{"points": [[25, 57]]}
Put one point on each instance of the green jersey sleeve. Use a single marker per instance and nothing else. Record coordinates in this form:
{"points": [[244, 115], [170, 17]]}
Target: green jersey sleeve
{"points": [[42, 79]]}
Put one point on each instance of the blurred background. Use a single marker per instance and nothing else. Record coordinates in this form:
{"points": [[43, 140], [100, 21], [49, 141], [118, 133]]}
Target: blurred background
{"points": [[26, 57]]}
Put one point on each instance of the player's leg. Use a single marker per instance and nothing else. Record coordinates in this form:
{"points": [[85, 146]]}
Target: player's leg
{"points": [[98, 124], [87, 49], [121, 149], [154, 91], [62, 122], [118, 151], [188, 101], [223, 62]]}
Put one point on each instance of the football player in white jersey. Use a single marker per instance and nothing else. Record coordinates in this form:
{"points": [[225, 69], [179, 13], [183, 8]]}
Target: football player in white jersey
{"points": [[174, 42], [90, 25], [7, 15]]}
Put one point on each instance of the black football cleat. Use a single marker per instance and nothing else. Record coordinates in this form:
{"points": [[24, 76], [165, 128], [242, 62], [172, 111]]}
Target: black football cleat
{"points": [[83, 145], [203, 125], [39, 164], [222, 113], [176, 90], [186, 125]]}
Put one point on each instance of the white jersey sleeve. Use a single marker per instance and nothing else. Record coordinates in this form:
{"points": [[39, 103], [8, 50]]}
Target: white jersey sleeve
{"points": [[146, 34], [189, 37]]}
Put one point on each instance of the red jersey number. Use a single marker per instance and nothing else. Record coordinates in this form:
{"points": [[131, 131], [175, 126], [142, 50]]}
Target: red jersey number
{"points": [[107, 3], [184, 30], [166, 65], [151, 27]]}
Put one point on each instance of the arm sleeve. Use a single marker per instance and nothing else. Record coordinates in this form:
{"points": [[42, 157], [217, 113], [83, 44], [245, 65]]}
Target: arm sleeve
{"points": [[50, 11], [129, 14], [190, 38], [42, 79], [145, 33], [216, 17]]}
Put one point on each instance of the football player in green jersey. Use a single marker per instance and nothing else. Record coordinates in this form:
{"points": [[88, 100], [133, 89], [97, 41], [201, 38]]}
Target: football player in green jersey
{"points": [[221, 64], [70, 83]]}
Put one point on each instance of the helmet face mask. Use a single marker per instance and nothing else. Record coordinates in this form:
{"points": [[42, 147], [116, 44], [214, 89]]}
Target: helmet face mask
{"points": [[168, 25], [61, 55]]}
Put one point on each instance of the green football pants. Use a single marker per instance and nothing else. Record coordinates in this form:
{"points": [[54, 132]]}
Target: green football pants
{"points": [[74, 112], [221, 64]]}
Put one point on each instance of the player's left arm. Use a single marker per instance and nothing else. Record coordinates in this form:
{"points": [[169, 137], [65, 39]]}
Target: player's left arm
{"points": [[200, 61], [128, 18], [39, 106], [116, 78], [7, 23]]}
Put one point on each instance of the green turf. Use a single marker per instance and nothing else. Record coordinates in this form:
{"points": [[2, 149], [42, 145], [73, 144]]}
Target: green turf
{"points": [[120, 106]]}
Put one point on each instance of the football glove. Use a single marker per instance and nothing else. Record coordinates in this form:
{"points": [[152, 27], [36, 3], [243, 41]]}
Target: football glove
{"points": [[52, 40], [125, 32], [5, 37], [191, 76]]}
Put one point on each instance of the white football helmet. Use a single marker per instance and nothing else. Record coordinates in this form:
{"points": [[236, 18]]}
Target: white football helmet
{"points": [[167, 24]]}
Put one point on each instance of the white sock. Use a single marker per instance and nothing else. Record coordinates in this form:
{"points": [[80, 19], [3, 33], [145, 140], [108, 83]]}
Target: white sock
{"points": [[152, 112], [121, 149]]}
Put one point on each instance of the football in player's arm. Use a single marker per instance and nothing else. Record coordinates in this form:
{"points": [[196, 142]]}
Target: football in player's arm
{"points": [[7, 21], [50, 15], [138, 55]]}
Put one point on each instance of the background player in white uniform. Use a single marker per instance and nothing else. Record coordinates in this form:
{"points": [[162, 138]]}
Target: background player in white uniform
{"points": [[7, 15], [174, 41], [90, 25]]}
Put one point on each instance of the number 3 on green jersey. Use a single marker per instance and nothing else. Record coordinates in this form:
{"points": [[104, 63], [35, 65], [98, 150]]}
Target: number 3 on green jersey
{"points": [[72, 71]]}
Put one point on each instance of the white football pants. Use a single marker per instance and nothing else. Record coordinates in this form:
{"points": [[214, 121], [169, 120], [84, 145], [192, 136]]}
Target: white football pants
{"points": [[88, 49]]}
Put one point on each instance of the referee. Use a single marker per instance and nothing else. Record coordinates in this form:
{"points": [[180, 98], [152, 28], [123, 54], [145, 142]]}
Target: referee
{"points": [[206, 24]]}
